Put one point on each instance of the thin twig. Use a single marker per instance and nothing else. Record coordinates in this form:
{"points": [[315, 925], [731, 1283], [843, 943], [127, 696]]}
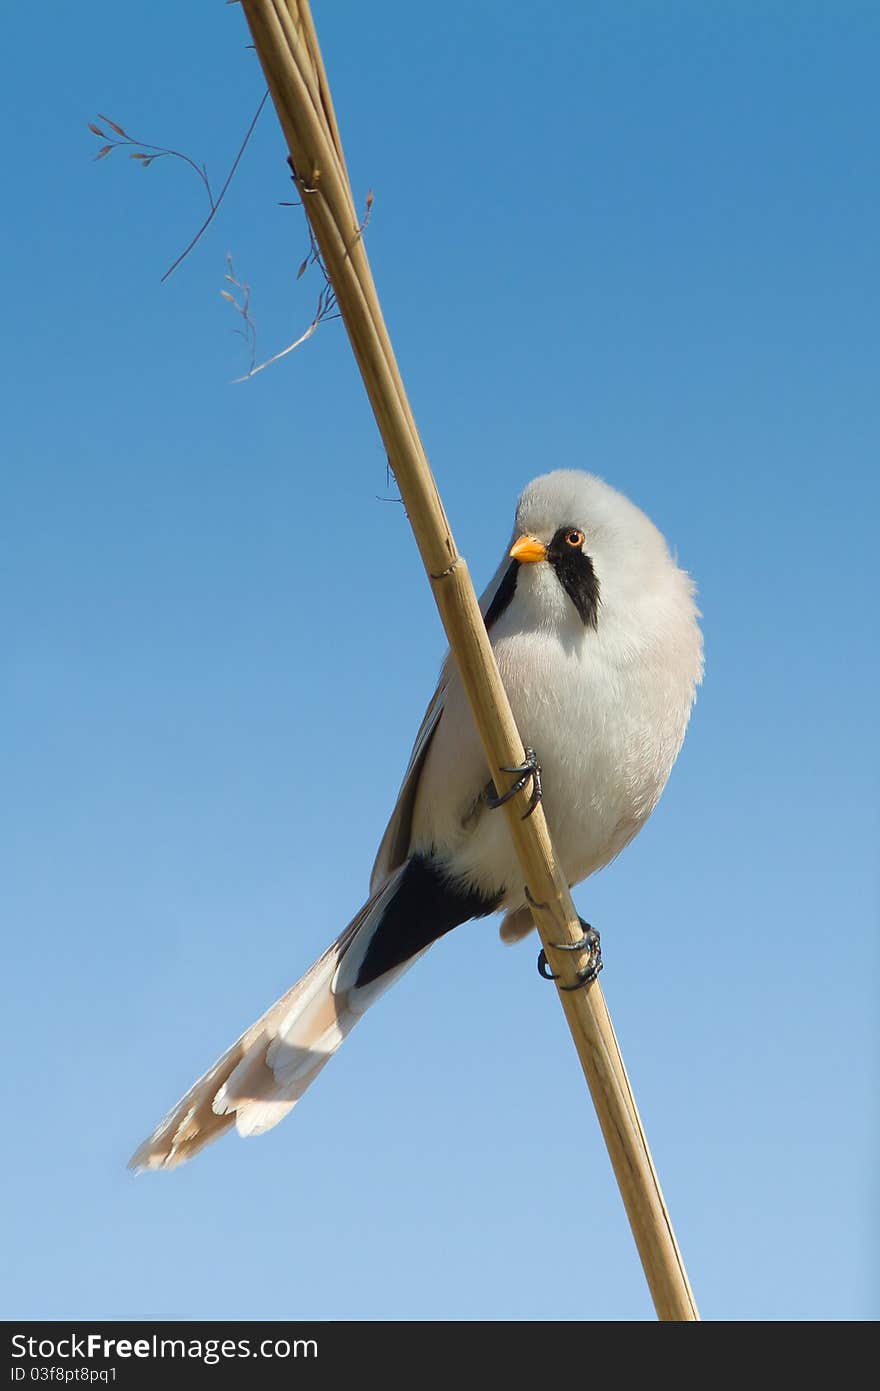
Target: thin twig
{"points": [[163, 152], [249, 331], [326, 307], [159, 151], [325, 311], [215, 204]]}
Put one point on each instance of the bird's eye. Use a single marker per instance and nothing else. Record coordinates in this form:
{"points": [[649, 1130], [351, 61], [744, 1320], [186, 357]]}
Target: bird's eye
{"points": [[574, 538]]}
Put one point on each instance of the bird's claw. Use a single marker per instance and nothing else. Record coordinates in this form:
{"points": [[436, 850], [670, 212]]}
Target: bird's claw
{"points": [[589, 942], [533, 901], [544, 967], [529, 771]]}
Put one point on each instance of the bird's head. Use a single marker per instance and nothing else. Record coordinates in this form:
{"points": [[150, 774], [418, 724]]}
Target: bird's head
{"points": [[585, 556]]}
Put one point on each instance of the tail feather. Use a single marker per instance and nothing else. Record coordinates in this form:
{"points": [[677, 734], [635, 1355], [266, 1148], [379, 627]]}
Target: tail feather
{"points": [[516, 925], [265, 1072]]}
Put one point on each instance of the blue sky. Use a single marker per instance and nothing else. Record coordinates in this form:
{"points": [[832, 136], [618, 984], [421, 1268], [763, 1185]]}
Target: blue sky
{"points": [[634, 238]]}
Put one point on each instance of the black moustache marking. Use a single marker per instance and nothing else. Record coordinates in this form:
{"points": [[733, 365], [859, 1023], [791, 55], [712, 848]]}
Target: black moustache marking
{"points": [[576, 575], [503, 594]]}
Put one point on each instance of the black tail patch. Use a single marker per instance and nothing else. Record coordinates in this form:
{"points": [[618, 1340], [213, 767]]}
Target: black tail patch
{"points": [[425, 906]]}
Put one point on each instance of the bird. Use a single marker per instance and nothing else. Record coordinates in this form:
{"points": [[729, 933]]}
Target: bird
{"points": [[596, 634]]}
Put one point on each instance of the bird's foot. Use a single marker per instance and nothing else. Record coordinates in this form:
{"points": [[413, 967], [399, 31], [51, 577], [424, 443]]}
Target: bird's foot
{"points": [[528, 772], [589, 942]]}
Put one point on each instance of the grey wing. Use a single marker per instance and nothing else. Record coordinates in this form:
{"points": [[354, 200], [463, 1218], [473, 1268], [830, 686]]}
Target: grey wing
{"points": [[394, 848], [395, 844]]}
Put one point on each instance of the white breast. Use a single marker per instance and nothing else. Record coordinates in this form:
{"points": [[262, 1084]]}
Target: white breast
{"points": [[605, 712]]}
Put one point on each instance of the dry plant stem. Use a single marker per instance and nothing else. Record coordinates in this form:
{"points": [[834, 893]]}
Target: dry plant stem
{"points": [[286, 43]]}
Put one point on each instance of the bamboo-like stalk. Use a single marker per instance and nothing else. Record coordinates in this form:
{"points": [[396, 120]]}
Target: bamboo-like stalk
{"points": [[287, 46]]}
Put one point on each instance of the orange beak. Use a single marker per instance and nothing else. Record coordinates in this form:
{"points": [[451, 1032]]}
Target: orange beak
{"points": [[527, 550]]}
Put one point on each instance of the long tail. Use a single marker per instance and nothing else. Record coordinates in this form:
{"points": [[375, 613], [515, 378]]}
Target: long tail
{"points": [[265, 1072]]}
